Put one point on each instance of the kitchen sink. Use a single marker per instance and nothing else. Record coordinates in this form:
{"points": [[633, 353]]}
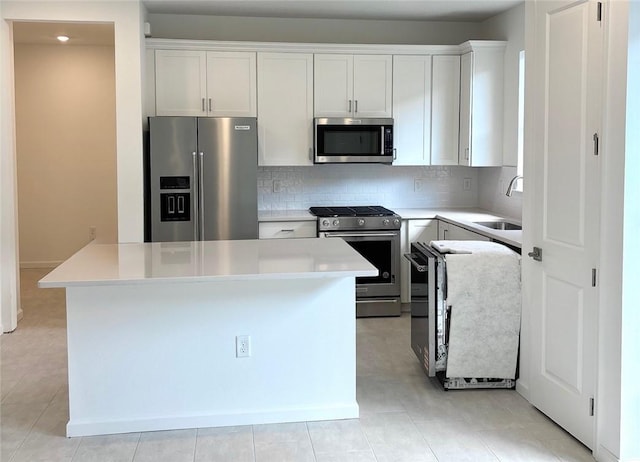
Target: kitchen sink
{"points": [[501, 225]]}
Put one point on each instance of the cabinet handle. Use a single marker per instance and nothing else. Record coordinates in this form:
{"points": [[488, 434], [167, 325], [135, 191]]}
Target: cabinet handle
{"points": [[444, 235], [395, 154], [286, 230], [356, 110], [202, 104], [466, 153], [209, 104], [311, 154], [349, 106]]}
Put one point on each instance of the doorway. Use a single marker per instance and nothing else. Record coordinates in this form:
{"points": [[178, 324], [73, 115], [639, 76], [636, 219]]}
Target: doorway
{"points": [[65, 113]]}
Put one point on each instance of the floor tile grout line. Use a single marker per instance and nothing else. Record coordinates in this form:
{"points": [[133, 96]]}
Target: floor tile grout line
{"points": [[313, 448], [135, 451], [253, 441]]}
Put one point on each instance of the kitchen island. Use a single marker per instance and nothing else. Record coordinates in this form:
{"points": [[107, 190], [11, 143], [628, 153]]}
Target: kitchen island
{"points": [[216, 333]]}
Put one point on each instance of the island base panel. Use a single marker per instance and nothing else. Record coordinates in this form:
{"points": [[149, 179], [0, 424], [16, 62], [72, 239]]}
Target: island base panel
{"points": [[163, 356]]}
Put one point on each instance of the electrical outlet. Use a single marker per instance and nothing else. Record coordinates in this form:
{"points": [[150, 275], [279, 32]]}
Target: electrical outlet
{"points": [[418, 184], [92, 233], [277, 186], [467, 184], [243, 346]]}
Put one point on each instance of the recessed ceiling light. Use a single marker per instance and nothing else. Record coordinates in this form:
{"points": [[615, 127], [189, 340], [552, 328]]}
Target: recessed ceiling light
{"points": [[62, 38]]}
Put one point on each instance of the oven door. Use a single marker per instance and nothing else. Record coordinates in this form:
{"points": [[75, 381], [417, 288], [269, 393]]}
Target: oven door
{"points": [[382, 250]]}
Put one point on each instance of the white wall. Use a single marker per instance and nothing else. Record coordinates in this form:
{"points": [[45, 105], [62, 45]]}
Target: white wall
{"points": [[507, 26], [311, 30], [127, 18], [66, 149], [346, 184]]}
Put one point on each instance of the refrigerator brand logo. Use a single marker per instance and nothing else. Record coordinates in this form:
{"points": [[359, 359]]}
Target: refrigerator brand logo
{"points": [[242, 127]]}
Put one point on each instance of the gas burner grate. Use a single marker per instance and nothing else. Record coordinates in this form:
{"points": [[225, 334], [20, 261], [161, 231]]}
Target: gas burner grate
{"points": [[355, 211]]}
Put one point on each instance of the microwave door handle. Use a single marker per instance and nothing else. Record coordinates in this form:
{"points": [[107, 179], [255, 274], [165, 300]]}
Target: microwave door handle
{"points": [[382, 140]]}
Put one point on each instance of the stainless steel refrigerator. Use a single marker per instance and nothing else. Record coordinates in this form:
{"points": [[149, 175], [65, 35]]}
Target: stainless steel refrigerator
{"points": [[202, 178]]}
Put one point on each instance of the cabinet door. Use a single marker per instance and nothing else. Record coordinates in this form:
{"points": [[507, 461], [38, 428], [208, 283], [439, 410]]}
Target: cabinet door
{"points": [[412, 109], [372, 85], [333, 85], [445, 107], [231, 84], [181, 83], [466, 91], [285, 108], [449, 232]]}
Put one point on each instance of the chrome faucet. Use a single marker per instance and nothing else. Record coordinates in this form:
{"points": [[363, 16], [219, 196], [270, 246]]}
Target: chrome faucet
{"points": [[512, 184]]}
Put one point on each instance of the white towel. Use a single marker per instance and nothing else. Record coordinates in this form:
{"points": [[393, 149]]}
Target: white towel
{"points": [[445, 247], [484, 295]]}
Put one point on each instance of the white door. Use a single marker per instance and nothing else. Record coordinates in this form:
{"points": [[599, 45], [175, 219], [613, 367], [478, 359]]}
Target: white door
{"points": [[412, 110], [181, 83], [333, 85], [445, 110], [231, 84], [564, 79], [372, 85], [285, 109]]}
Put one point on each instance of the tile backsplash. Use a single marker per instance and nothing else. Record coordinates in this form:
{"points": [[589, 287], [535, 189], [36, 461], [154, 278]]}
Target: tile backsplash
{"points": [[287, 188]]}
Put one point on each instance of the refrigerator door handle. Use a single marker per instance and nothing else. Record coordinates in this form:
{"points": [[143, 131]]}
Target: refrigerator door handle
{"points": [[201, 198], [196, 189]]}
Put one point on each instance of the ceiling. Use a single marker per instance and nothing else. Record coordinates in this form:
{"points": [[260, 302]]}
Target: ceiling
{"points": [[46, 32], [415, 10]]}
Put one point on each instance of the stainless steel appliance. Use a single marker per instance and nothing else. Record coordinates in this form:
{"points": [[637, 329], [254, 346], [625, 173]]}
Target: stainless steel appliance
{"points": [[431, 316], [374, 232], [353, 141], [202, 178]]}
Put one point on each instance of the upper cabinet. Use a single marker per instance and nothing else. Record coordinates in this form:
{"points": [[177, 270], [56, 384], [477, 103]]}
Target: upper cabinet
{"points": [[481, 104], [285, 109], [412, 109], [352, 85], [445, 110], [205, 83]]}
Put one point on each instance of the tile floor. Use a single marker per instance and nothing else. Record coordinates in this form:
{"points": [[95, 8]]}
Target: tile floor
{"points": [[403, 415]]}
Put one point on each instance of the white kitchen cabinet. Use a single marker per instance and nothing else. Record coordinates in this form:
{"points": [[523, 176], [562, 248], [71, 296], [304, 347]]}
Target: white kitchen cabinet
{"points": [[205, 83], [481, 105], [352, 85], [412, 231], [449, 232], [285, 109], [181, 83], [445, 110], [412, 109], [286, 229]]}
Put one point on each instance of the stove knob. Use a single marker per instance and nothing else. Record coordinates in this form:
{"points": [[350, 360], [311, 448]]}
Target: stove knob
{"points": [[360, 222], [336, 222], [396, 222], [325, 222], [385, 222]]}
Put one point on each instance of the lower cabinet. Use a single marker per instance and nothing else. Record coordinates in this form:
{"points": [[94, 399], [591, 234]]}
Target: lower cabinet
{"points": [[412, 231], [286, 229], [449, 232]]}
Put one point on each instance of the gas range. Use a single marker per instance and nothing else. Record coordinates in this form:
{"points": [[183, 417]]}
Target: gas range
{"points": [[355, 218]]}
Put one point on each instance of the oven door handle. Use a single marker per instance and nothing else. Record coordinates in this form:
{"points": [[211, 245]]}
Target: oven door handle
{"points": [[361, 235], [420, 268]]}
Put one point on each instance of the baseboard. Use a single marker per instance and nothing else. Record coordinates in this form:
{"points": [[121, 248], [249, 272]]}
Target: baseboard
{"points": [[604, 455], [39, 264], [79, 428], [523, 389]]}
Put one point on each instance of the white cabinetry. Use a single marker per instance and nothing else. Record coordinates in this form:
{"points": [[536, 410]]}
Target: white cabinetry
{"points": [[481, 104], [445, 106], [352, 85], [412, 231], [205, 83], [286, 229], [285, 108], [449, 232], [412, 109]]}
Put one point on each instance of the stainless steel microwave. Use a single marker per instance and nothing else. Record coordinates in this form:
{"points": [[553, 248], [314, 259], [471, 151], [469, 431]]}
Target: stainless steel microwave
{"points": [[363, 140]]}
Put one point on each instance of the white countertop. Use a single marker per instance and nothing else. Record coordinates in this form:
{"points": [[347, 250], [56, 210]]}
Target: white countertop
{"points": [[170, 262], [465, 217], [285, 215]]}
